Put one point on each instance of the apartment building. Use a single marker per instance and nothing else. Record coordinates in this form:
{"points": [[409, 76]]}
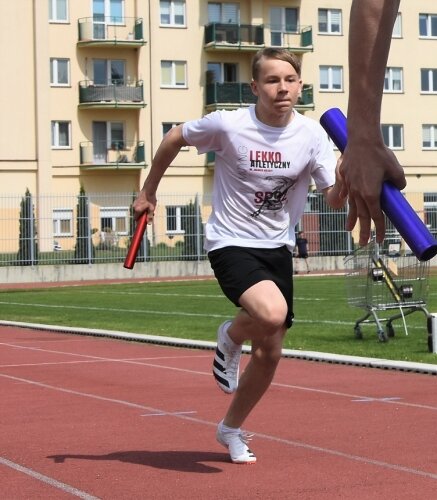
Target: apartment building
{"points": [[93, 85]]}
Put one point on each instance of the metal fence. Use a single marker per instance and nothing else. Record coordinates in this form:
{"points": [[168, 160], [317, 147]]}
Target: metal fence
{"points": [[94, 228]]}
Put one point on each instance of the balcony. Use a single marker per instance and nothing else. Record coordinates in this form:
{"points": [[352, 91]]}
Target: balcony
{"points": [[113, 95], [117, 155], [103, 31], [247, 37], [233, 36], [237, 95]]}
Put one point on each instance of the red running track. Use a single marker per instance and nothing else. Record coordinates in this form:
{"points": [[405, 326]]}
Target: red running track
{"points": [[87, 417]]}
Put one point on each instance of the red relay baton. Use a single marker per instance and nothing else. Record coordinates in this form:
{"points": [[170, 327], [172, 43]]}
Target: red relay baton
{"points": [[137, 238]]}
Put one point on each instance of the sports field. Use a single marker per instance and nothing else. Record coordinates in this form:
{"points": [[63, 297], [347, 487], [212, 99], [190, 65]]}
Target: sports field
{"points": [[324, 321]]}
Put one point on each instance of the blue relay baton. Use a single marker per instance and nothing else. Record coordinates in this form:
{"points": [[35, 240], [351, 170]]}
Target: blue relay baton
{"points": [[393, 203]]}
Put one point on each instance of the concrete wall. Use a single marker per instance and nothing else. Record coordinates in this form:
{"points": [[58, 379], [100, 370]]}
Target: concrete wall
{"points": [[176, 269]]}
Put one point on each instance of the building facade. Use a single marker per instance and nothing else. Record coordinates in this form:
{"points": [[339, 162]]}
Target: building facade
{"points": [[93, 85]]}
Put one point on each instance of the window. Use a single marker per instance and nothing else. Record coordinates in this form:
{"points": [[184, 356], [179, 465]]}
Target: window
{"points": [[116, 135], [397, 28], [109, 72], [172, 13], [62, 222], [173, 74], [167, 126], [61, 135], [282, 21], [393, 80], [331, 78], [222, 72], [393, 136], [429, 136], [428, 25], [227, 13], [108, 141], [58, 11], [108, 10], [114, 219], [428, 80], [430, 209], [330, 21], [59, 72], [174, 219]]}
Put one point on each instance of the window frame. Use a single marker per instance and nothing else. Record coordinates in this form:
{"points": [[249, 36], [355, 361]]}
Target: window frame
{"points": [[397, 27], [54, 70], [390, 128], [115, 213], [432, 82], [389, 70], [330, 69], [329, 12], [433, 136], [428, 24], [55, 124], [172, 15], [53, 10], [59, 215], [173, 73], [222, 12], [178, 219]]}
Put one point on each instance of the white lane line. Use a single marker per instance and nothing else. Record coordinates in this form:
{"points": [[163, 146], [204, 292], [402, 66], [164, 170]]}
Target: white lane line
{"points": [[141, 362], [113, 309], [306, 446], [371, 400], [66, 488], [196, 295], [164, 414]]}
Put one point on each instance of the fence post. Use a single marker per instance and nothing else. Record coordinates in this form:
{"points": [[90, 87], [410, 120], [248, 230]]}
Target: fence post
{"points": [[89, 240], [32, 234], [198, 238]]}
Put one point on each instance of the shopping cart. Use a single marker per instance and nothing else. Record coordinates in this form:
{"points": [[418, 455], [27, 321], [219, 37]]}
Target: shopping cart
{"points": [[395, 285]]}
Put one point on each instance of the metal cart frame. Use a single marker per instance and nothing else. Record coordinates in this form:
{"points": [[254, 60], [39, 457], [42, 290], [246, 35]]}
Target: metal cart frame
{"points": [[380, 282]]}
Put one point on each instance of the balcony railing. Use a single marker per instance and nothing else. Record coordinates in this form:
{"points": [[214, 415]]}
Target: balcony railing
{"points": [[234, 35], [113, 95], [220, 36], [104, 30], [236, 95], [118, 154], [229, 94]]}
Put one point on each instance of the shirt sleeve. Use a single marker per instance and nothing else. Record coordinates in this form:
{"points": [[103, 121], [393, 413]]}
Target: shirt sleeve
{"points": [[323, 170], [204, 134]]}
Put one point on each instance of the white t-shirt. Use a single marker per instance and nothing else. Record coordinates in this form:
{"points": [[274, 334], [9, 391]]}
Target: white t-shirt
{"points": [[261, 175]]}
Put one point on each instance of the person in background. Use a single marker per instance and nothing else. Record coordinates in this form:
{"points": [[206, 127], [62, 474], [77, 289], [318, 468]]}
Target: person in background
{"points": [[366, 161], [301, 250]]}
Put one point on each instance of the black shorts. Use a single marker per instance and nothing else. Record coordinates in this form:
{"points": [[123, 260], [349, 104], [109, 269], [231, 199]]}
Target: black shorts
{"points": [[239, 268], [302, 256]]}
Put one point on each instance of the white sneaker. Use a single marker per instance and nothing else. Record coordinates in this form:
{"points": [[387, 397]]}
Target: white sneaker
{"points": [[236, 442], [226, 366]]}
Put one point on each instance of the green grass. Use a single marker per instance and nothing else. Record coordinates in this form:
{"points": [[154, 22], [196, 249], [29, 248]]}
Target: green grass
{"points": [[193, 309]]}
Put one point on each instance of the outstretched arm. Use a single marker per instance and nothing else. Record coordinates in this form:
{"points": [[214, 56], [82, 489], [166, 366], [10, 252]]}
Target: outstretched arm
{"points": [[166, 153], [367, 162]]}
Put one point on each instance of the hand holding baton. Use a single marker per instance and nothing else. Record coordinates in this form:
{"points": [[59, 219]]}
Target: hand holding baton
{"points": [[136, 242], [394, 205]]}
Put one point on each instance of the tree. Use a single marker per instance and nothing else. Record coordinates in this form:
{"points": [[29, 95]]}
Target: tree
{"points": [[84, 251], [27, 245]]}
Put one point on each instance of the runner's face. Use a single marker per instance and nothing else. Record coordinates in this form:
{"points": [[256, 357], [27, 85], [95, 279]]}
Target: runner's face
{"points": [[277, 88]]}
